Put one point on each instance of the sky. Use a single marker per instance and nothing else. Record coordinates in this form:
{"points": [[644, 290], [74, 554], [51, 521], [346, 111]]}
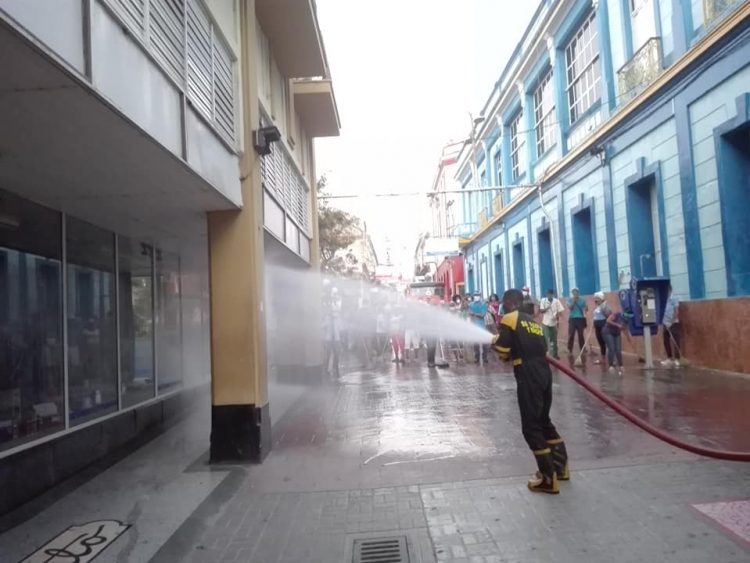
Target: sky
{"points": [[406, 74]]}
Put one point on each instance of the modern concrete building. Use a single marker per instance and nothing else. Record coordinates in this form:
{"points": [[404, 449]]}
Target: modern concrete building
{"points": [[631, 118], [137, 216]]}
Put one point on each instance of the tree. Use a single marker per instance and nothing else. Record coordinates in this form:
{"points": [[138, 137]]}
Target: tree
{"points": [[337, 231]]}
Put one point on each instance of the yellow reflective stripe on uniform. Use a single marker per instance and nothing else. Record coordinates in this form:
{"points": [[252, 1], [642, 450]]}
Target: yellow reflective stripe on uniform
{"points": [[555, 441], [502, 349], [545, 451], [517, 362], [510, 320]]}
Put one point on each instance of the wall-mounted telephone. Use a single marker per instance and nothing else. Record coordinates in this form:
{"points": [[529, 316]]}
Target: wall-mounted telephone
{"points": [[647, 301]]}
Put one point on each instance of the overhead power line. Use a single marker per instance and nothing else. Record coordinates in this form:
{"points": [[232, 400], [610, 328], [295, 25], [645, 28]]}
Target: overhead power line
{"points": [[430, 194]]}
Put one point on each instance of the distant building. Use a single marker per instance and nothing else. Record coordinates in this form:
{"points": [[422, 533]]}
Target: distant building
{"points": [[359, 258], [444, 205], [450, 273]]}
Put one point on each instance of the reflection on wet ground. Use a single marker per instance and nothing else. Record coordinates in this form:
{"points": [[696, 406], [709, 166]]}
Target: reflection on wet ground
{"points": [[406, 424], [703, 407]]}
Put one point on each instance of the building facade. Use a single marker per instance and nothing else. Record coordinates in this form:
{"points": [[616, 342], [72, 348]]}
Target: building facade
{"points": [[445, 206], [130, 176], [617, 139]]}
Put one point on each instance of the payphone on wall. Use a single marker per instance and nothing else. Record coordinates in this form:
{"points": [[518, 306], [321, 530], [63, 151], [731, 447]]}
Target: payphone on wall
{"points": [[643, 305], [647, 301]]}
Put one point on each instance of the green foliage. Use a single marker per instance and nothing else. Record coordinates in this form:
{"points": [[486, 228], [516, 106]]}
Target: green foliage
{"points": [[337, 230]]}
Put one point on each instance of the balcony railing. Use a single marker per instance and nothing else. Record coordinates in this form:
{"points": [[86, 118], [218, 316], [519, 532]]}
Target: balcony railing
{"points": [[483, 218], [463, 230], [497, 205], [640, 71], [714, 10]]}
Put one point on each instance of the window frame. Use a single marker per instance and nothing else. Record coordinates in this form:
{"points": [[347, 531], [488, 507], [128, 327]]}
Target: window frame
{"points": [[577, 107], [544, 121], [517, 144]]}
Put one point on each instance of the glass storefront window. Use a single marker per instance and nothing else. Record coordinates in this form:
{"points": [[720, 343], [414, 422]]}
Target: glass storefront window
{"points": [[92, 332], [31, 340], [136, 321], [168, 321]]}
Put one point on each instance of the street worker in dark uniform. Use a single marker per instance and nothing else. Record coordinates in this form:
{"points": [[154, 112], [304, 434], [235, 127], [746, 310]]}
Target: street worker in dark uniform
{"points": [[521, 340]]}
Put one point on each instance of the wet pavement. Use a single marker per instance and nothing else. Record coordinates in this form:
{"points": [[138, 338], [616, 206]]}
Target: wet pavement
{"points": [[436, 456], [703, 407]]}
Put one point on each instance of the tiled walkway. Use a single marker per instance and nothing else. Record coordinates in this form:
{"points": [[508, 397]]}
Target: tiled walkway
{"points": [[436, 456]]}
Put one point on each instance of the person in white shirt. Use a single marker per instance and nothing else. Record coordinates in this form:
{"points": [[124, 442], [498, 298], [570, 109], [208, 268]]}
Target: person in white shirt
{"points": [[672, 331], [551, 308]]}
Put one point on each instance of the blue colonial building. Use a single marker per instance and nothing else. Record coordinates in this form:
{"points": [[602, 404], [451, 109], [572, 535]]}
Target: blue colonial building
{"points": [[618, 137]]}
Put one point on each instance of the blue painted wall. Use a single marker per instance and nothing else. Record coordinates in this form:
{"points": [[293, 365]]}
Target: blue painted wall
{"points": [[691, 206]]}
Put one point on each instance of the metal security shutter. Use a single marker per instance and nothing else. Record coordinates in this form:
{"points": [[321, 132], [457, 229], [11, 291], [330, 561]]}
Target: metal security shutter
{"points": [[132, 13], [199, 58], [166, 35]]}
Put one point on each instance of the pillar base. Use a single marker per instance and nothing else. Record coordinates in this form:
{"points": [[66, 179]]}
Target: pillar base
{"points": [[240, 433]]}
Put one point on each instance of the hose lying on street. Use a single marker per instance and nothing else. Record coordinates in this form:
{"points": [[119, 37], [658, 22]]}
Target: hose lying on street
{"points": [[642, 424]]}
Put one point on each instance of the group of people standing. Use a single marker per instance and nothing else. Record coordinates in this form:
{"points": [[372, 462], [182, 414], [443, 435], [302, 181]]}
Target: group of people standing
{"points": [[489, 315], [609, 326]]}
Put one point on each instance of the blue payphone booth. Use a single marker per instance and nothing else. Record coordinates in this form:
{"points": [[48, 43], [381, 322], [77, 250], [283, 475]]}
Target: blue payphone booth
{"points": [[643, 305]]}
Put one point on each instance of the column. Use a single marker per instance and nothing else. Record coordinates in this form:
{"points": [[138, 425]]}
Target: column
{"points": [[240, 422]]}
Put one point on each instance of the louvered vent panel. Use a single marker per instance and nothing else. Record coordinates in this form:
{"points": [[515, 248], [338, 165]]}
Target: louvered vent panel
{"points": [[167, 36], [199, 57]]}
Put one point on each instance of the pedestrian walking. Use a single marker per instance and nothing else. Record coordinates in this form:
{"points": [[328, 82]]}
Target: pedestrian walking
{"points": [[672, 331], [551, 309], [577, 319], [521, 340], [601, 312], [477, 313], [612, 333]]}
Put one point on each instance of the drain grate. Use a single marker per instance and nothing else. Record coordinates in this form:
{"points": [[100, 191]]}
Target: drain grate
{"points": [[381, 550]]}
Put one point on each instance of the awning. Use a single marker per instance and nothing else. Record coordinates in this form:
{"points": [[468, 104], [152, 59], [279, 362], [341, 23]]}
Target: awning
{"points": [[315, 103], [292, 29]]}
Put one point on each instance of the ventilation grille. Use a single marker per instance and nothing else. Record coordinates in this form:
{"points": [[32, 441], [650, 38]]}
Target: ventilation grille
{"points": [[223, 89], [184, 41], [133, 13], [166, 36], [280, 177], [199, 63], [381, 550]]}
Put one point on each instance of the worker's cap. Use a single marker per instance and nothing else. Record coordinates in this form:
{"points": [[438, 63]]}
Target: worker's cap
{"points": [[526, 289], [576, 290], [599, 295]]}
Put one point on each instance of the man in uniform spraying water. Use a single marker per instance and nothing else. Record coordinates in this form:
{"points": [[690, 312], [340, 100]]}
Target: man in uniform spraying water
{"points": [[522, 340]]}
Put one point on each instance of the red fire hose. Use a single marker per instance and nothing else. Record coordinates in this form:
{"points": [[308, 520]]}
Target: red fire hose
{"points": [[642, 424]]}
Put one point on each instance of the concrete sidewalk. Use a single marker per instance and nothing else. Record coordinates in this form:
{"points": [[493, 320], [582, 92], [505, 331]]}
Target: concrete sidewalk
{"points": [[436, 457]]}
